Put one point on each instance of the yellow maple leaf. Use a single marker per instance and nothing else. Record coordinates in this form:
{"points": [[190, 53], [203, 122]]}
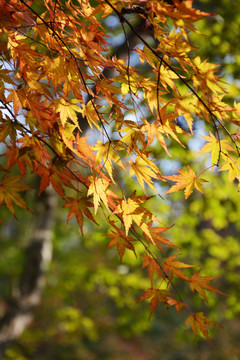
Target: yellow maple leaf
{"points": [[126, 208], [186, 180], [233, 168], [214, 146], [106, 153], [92, 115], [68, 109], [144, 169], [133, 134], [167, 76], [154, 131], [98, 188], [131, 210]]}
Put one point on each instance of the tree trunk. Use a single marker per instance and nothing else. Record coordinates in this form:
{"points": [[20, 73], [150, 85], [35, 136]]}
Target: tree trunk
{"points": [[37, 257]]}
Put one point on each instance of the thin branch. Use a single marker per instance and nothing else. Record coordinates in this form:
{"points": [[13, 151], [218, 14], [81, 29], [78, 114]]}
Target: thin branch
{"points": [[158, 82]]}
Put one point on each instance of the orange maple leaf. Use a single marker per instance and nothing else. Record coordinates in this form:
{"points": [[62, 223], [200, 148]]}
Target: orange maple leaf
{"points": [[186, 180], [171, 265], [152, 265], [156, 296], [9, 192], [7, 128], [19, 99], [78, 208], [178, 304], [122, 241], [200, 322], [156, 238], [199, 283]]}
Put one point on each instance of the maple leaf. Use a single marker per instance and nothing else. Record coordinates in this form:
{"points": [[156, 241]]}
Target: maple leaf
{"points": [[144, 169], [152, 265], [128, 84], [185, 107], [154, 132], [156, 238], [157, 296], [151, 95], [78, 207], [126, 208], [190, 13], [173, 266], [55, 71], [122, 241], [106, 153], [199, 322], [98, 187], [167, 77], [233, 168], [7, 128], [5, 76], [200, 283], [133, 134], [19, 99], [90, 112], [9, 192], [147, 54], [131, 210], [178, 304], [78, 145], [214, 146], [187, 180], [68, 109]]}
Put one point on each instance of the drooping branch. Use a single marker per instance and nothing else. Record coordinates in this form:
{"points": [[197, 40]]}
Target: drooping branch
{"points": [[37, 257]]}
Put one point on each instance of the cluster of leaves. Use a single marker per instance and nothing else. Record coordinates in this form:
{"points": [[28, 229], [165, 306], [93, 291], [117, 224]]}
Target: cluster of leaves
{"points": [[58, 72]]}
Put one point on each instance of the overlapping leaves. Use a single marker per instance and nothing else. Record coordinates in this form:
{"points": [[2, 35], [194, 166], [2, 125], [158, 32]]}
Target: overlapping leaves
{"points": [[59, 75]]}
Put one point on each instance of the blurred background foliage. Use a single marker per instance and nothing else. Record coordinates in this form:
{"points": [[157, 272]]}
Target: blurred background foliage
{"points": [[223, 36], [88, 308]]}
